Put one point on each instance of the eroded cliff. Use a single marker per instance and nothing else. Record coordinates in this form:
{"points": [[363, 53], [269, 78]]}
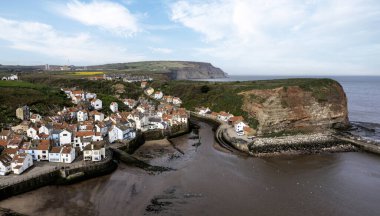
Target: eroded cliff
{"points": [[295, 109]]}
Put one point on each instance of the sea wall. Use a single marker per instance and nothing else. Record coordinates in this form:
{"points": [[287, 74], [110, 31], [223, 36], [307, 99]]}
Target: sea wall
{"points": [[57, 176], [174, 131]]}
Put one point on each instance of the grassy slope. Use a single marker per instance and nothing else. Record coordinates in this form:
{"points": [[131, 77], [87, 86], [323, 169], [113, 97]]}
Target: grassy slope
{"points": [[41, 99], [224, 96]]}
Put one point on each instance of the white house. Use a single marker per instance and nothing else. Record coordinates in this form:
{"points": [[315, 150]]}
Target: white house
{"points": [[67, 154], [143, 84], [239, 126], [120, 132], [42, 150], [114, 107], [5, 164], [101, 128], [203, 111], [223, 116], [35, 118], [177, 101], [98, 116], [55, 154], [130, 103], [149, 91], [82, 115], [21, 162], [97, 104], [64, 137], [89, 95], [94, 152], [158, 95], [45, 129], [32, 132]]}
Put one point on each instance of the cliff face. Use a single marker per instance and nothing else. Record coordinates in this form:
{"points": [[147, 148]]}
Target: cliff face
{"points": [[294, 109], [197, 70]]}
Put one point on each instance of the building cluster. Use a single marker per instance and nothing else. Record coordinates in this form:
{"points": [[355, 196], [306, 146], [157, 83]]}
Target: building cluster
{"points": [[10, 77], [81, 130], [159, 95], [240, 126]]}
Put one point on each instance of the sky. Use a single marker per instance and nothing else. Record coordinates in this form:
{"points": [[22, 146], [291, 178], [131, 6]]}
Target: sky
{"points": [[242, 37]]}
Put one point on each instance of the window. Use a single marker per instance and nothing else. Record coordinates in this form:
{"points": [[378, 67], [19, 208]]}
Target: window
{"points": [[64, 135]]}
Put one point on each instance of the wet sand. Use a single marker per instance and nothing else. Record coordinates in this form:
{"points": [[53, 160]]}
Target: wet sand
{"points": [[208, 181]]}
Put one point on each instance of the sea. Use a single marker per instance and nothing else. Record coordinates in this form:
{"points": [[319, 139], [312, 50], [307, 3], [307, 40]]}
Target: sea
{"points": [[207, 180]]}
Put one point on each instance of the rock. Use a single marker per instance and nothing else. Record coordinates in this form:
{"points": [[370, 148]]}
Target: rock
{"points": [[293, 109]]}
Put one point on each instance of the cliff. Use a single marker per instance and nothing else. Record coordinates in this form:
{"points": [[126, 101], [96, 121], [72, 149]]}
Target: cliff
{"points": [[272, 107], [197, 70], [175, 70], [294, 109]]}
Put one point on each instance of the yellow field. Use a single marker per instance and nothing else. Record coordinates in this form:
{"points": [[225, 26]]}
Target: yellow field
{"points": [[88, 73]]}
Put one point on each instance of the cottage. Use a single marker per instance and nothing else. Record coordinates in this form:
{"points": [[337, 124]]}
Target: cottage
{"points": [[5, 134], [11, 151], [94, 152], [21, 162], [43, 150], [223, 116], [177, 101], [35, 118], [114, 107], [97, 104], [203, 111], [120, 132], [239, 127], [158, 95], [82, 115], [143, 84], [130, 103], [97, 116], [55, 154], [64, 137], [67, 154], [45, 129], [83, 138], [32, 133], [23, 113], [5, 164], [235, 119], [149, 91]]}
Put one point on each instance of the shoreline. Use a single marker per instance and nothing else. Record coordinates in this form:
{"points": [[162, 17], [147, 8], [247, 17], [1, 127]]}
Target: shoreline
{"points": [[288, 145]]}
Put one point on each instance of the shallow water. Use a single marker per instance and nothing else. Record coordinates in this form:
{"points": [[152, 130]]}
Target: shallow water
{"points": [[211, 182]]}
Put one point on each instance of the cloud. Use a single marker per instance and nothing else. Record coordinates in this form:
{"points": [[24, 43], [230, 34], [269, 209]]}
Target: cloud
{"points": [[109, 16], [44, 39], [321, 36], [161, 50]]}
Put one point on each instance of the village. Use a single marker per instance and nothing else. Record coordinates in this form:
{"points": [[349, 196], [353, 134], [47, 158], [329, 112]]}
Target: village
{"points": [[83, 132]]}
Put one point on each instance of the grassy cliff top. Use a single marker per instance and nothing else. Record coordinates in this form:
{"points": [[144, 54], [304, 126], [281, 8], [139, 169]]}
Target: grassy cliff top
{"points": [[224, 96]]}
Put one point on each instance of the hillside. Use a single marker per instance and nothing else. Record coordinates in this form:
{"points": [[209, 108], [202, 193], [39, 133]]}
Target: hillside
{"points": [[42, 99], [177, 70], [271, 106]]}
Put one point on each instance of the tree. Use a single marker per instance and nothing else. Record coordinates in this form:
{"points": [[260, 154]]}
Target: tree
{"points": [[205, 89]]}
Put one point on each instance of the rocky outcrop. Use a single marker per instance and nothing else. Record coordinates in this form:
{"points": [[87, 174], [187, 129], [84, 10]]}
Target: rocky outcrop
{"points": [[294, 109], [197, 70]]}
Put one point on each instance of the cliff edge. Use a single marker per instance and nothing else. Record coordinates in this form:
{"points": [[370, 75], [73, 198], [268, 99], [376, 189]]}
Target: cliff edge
{"points": [[298, 109]]}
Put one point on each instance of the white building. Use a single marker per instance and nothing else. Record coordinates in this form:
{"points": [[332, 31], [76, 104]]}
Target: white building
{"points": [[177, 101], [64, 137], [94, 152], [21, 162], [45, 129], [114, 107], [5, 164], [55, 154], [239, 126], [32, 133], [35, 118], [82, 115], [67, 154], [158, 95], [97, 104]]}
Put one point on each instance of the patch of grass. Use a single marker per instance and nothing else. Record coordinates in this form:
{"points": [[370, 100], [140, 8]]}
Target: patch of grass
{"points": [[87, 73]]}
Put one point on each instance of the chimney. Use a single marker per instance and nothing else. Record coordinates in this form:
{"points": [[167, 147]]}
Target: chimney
{"points": [[92, 146]]}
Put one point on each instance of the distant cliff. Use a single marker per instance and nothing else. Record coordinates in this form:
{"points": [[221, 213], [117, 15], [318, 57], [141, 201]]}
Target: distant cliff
{"points": [[175, 70], [197, 70]]}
